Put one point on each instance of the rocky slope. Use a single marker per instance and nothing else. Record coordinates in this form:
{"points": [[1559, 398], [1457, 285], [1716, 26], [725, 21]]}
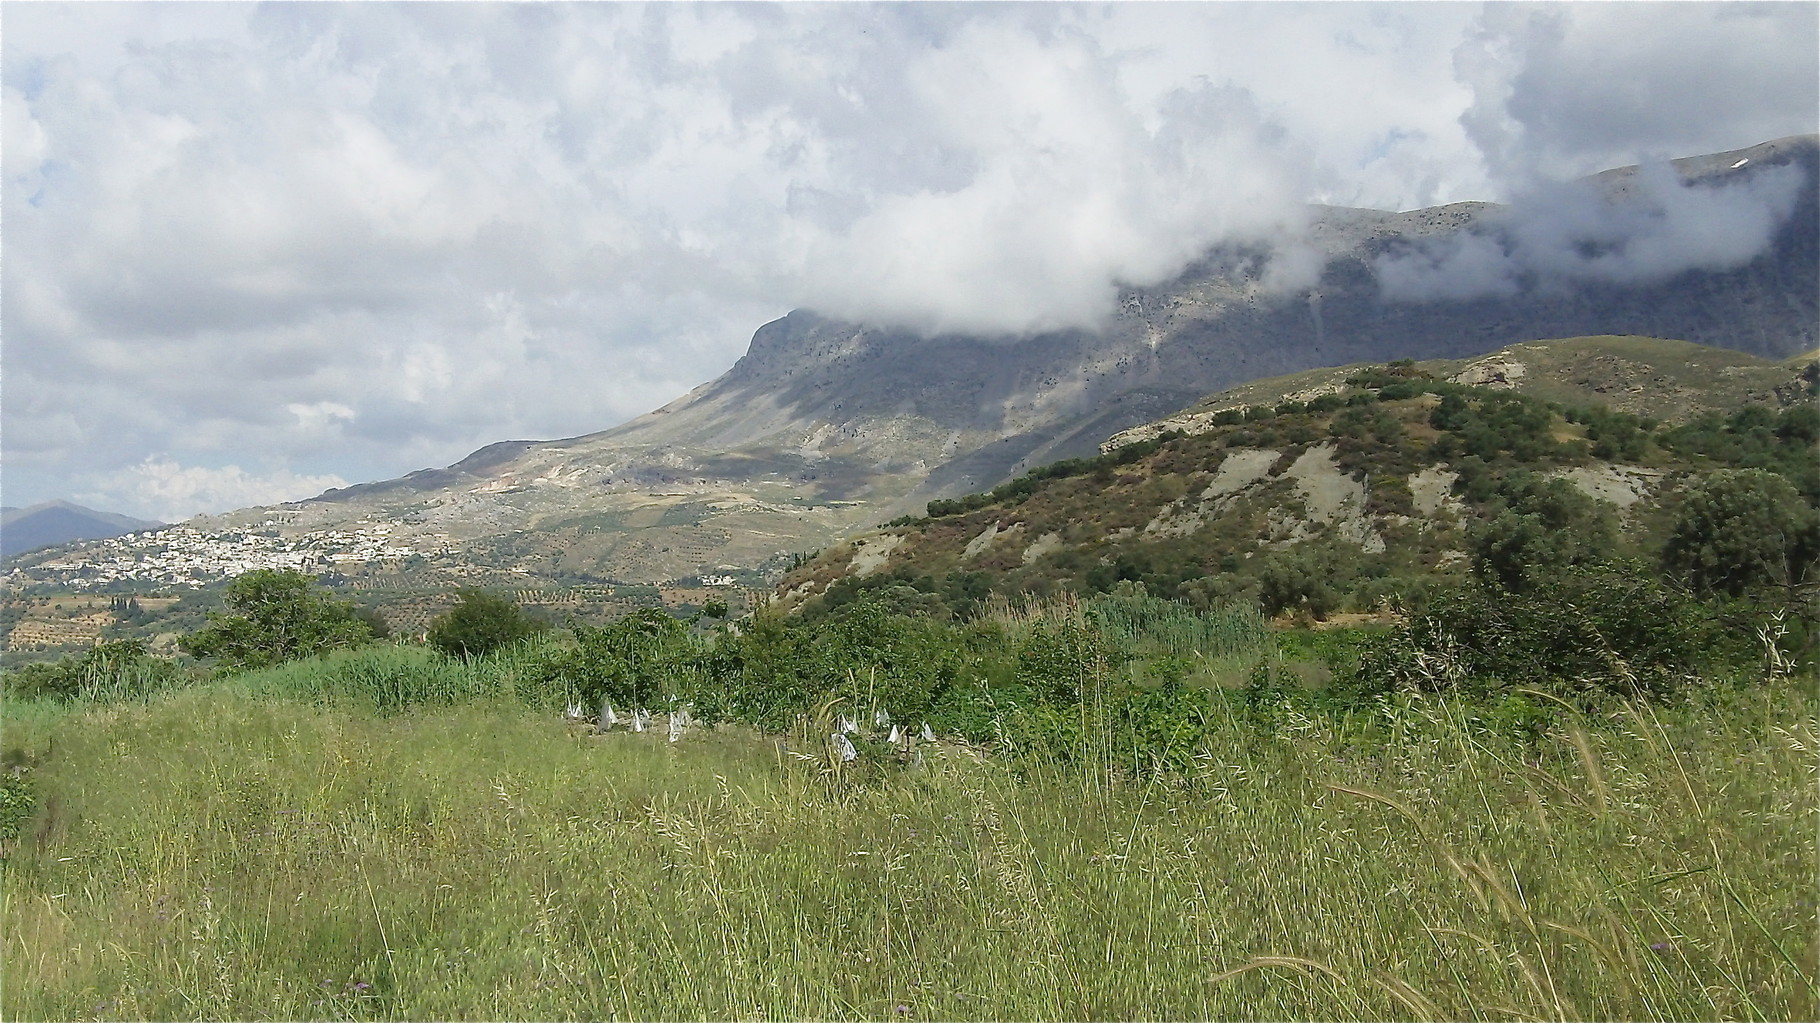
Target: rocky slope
{"points": [[824, 427]]}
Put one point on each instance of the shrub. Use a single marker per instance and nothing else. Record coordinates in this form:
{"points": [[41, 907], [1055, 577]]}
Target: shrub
{"points": [[634, 662], [1297, 580], [479, 624], [1545, 525], [1603, 627], [122, 669], [1060, 658]]}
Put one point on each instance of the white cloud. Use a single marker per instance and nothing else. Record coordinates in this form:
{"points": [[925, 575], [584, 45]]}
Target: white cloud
{"points": [[318, 415], [1563, 90], [160, 488], [1574, 232]]}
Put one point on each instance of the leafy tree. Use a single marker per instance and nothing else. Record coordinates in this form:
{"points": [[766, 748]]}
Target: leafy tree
{"points": [[1616, 436], [276, 615], [1754, 437], [375, 622], [633, 662], [1740, 530], [479, 624], [1493, 425], [1545, 526], [1297, 580], [1057, 657]]}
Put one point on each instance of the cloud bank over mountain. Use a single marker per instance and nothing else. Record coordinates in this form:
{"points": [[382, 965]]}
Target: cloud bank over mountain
{"points": [[301, 242], [1559, 233]]}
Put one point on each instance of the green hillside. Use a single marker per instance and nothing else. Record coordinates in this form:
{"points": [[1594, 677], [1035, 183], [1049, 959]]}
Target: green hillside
{"points": [[1361, 489], [1672, 381]]}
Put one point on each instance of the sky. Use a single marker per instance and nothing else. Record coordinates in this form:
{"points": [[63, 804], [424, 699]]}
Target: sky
{"points": [[249, 252]]}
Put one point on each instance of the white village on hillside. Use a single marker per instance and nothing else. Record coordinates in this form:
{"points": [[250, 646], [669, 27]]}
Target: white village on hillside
{"points": [[186, 556]]}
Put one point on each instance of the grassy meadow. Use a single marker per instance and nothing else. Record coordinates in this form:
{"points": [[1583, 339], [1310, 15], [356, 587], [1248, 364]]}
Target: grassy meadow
{"points": [[301, 842]]}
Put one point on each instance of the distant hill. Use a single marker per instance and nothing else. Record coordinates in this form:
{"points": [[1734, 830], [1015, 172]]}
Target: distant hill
{"points": [[1339, 489], [57, 522]]}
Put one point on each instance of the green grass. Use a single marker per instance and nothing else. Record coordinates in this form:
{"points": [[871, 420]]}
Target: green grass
{"points": [[243, 851], [390, 677]]}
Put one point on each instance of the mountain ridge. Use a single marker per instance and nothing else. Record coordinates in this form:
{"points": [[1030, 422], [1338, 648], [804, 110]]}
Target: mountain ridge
{"points": [[49, 523], [824, 426]]}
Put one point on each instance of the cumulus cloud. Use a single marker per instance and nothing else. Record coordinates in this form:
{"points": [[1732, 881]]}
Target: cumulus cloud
{"points": [[351, 240], [159, 488], [1562, 90], [1072, 196]]}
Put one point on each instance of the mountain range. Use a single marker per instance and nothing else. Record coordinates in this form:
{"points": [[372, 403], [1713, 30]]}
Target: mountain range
{"points": [[825, 427], [57, 522]]}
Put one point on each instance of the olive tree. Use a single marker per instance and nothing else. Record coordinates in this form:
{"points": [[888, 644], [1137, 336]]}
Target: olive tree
{"points": [[276, 615]]}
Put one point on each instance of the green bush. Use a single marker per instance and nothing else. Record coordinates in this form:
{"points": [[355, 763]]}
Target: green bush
{"points": [[1606, 627], [1545, 525], [1060, 659], [479, 624], [1299, 579], [1160, 730], [637, 661], [1756, 437], [118, 670], [18, 801]]}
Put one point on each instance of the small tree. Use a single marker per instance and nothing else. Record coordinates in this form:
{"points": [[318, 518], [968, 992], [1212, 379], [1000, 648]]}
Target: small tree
{"points": [[479, 624], [1741, 530], [276, 615]]}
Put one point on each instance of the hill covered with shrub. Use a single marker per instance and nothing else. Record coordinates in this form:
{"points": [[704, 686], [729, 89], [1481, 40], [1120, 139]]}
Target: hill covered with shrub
{"points": [[1368, 488]]}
